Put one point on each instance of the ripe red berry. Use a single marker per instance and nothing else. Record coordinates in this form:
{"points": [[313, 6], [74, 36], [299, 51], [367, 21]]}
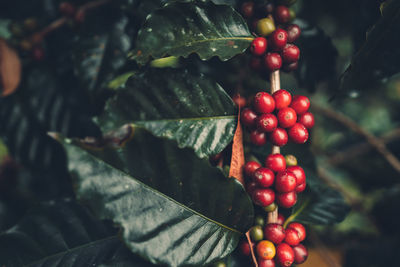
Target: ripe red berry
{"points": [[292, 237], [307, 119], [258, 138], [248, 117], [266, 250], [250, 167], [279, 137], [258, 46], [256, 63], [285, 182], [247, 9], [293, 31], [286, 200], [264, 177], [275, 162], [300, 104], [239, 100], [250, 187], [282, 99], [290, 53], [263, 102], [263, 196], [281, 219], [301, 230], [282, 14], [80, 16], [278, 40], [290, 67], [298, 133], [287, 117], [272, 61], [274, 232], [67, 9], [267, 122], [265, 263], [301, 187], [244, 247], [215, 158], [284, 255], [300, 254], [299, 173]]}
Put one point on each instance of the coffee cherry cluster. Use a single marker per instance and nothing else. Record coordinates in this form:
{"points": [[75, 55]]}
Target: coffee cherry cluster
{"points": [[275, 184], [275, 245], [278, 118], [274, 47]]}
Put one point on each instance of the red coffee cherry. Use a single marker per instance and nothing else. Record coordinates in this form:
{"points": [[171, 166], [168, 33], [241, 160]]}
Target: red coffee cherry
{"points": [[263, 196], [250, 187], [307, 119], [281, 219], [301, 230], [293, 31], [256, 63], [250, 167], [286, 200], [244, 247], [267, 122], [258, 138], [248, 117], [282, 14], [299, 173], [285, 182], [287, 117], [284, 255], [264, 177], [298, 133], [274, 232], [279, 137], [300, 104], [282, 98], [247, 9], [266, 250], [278, 40], [290, 67], [275, 162], [272, 62], [301, 187], [265, 263], [258, 46], [300, 254], [264, 102], [239, 100], [290, 53], [292, 237]]}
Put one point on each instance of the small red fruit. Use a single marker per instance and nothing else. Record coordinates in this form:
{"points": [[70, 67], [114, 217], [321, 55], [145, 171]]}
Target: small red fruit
{"points": [[282, 99], [279, 137], [292, 237], [274, 232], [248, 117], [265, 263], [301, 187], [282, 14], [263, 102], [287, 117], [258, 46], [250, 167], [299, 173], [258, 138], [284, 255], [267, 122], [290, 67], [300, 254], [264, 177], [275, 162], [278, 39], [281, 219], [286, 200], [290, 53], [247, 9], [250, 187], [300, 104], [293, 31], [263, 196], [239, 100], [244, 247], [266, 250], [285, 182], [272, 62], [307, 119], [256, 63], [301, 230], [298, 133]]}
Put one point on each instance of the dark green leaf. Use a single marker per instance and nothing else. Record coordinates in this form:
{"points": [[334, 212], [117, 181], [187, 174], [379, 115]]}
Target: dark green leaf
{"points": [[59, 234], [174, 208], [379, 57], [177, 105], [179, 29]]}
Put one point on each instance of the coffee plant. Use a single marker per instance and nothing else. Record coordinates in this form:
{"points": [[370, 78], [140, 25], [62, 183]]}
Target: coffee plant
{"points": [[198, 133]]}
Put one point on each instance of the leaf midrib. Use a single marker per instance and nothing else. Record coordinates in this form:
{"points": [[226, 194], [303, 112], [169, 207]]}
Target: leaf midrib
{"points": [[186, 119]]}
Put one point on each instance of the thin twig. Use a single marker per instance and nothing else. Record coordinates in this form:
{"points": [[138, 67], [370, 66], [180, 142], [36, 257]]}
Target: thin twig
{"points": [[375, 142]]}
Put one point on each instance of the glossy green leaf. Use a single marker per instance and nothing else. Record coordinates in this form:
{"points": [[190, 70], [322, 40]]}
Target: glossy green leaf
{"points": [[179, 29], [173, 207], [63, 234], [177, 105]]}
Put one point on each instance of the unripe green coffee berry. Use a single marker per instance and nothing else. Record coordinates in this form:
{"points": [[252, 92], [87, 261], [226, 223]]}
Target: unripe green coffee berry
{"points": [[256, 233], [290, 160], [219, 264], [270, 208], [292, 15], [265, 27], [259, 220]]}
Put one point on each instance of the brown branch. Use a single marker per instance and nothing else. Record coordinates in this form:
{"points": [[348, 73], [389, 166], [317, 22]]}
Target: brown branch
{"points": [[375, 142], [253, 256]]}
